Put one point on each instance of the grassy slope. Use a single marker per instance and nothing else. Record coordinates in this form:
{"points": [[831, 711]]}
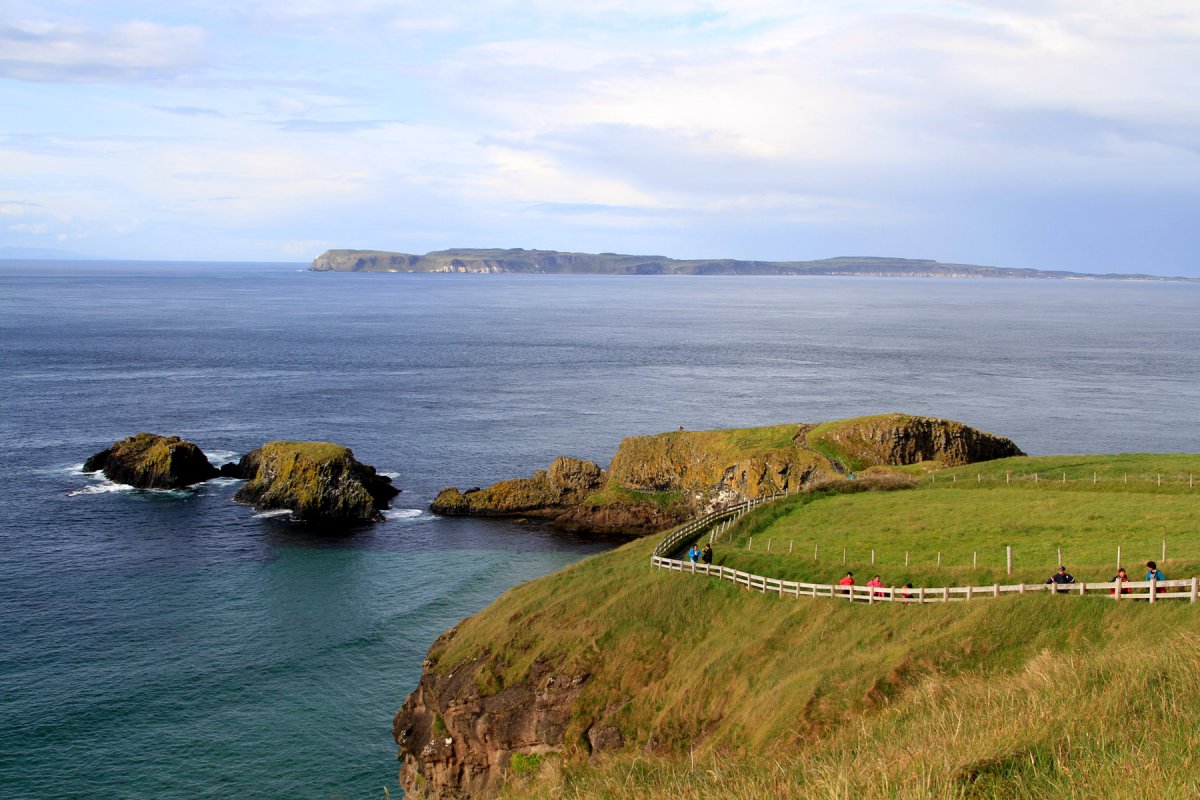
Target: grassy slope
{"points": [[1015, 697]]}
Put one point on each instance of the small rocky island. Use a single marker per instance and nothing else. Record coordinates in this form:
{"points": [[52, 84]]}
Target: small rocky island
{"points": [[316, 481], [657, 481], [150, 461]]}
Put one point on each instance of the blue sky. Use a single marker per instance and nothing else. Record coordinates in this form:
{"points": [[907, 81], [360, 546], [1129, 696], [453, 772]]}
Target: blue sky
{"points": [[1056, 135]]}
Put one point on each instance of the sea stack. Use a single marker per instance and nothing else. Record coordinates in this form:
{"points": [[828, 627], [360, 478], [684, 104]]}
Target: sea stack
{"points": [[150, 461], [317, 481]]}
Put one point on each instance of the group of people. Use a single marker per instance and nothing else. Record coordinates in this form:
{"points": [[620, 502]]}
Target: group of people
{"points": [[702, 555], [1153, 573], [1061, 577]]}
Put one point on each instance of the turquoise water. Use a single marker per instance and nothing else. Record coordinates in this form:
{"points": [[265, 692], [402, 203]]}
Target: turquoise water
{"points": [[176, 645]]}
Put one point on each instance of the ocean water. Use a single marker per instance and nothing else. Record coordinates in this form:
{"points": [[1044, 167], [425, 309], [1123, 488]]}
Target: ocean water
{"points": [[177, 645]]}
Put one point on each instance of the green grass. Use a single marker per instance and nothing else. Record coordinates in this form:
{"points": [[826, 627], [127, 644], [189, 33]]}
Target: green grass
{"points": [[723, 692], [971, 514], [615, 495]]}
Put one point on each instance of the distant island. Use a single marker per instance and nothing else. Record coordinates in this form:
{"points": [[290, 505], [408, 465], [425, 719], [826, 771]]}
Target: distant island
{"points": [[554, 262]]}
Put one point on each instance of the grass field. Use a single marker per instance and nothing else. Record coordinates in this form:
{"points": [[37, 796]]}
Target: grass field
{"points": [[723, 692], [970, 515]]}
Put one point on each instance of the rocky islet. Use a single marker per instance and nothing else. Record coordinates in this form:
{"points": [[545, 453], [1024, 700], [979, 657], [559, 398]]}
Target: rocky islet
{"points": [[317, 481]]}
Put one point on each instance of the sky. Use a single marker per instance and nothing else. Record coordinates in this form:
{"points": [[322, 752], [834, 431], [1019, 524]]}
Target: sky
{"points": [[1053, 134]]}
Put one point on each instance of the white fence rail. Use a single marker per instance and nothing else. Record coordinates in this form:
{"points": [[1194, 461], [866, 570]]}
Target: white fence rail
{"points": [[1150, 591]]}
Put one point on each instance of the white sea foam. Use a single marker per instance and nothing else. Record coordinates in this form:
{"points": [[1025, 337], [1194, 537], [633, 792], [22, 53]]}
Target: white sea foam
{"points": [[274, 512], [219, 457], [105, 486], [392, 475], [223, 481], [406, 514]]}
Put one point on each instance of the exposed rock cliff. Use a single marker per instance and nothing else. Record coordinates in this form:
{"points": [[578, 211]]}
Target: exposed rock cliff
{"points": [[900, 439], [656, 481], [317, 481], [150, 461], [457, 734]]}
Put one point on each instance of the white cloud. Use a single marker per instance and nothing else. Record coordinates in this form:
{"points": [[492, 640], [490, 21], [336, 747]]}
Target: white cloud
{"points": [[137, 50]]}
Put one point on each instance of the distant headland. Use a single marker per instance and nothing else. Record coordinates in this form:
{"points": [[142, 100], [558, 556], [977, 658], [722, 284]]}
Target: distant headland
{"points": [[554, 262]]}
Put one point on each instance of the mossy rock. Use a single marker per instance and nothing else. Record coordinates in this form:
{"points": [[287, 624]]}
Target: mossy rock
{"points": [[150, 461], [316, 481], [901, 439]]}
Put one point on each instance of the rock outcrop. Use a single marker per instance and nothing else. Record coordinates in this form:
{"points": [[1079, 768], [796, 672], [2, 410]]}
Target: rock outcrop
{"points": [[150, 461], [656, 481], [457, 741], [316, 481]]}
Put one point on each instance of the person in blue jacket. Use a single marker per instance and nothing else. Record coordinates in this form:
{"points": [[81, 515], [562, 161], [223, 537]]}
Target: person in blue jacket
{"points": [[1153, 573], [694, 554], [1062, 577]]}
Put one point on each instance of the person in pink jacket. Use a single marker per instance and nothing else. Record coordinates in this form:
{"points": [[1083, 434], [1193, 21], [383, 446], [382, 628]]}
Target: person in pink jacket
{"points": [[875, 583]]}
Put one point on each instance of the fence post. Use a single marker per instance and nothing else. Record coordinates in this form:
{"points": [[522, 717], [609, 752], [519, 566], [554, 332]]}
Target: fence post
{"points": [[1153, 589], [1118, 557], [939, 559], [1093, 479], [974, 559], [1008, 477], [769, 545], [945, 594], [750, 544], [970, 593], [1060, 555], [843, 556], [873, 554], [921, 596], [906, 558], [1164, 555], [1009, 549], [791, 544], [995, 590], [1195, 588], [1116, 588], [815, 546]]}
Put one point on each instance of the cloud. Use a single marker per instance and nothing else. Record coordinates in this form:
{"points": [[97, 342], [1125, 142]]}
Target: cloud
{"points": [[126, 51], [322, 126], [190, 111]]}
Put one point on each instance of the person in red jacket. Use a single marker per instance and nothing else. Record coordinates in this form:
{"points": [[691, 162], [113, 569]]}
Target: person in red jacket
{"points": [[847, 581], [1121, 577], [875, 583]]}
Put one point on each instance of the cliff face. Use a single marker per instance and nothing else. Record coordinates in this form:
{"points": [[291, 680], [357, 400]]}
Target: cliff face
{"points": [[892, 439], [656, 481], [317, 481], [457, 735], [150, 461]]}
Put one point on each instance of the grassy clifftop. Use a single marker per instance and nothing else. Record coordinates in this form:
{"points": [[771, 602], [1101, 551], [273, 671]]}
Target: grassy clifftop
{"points": [[691, 687], [666, 477]]}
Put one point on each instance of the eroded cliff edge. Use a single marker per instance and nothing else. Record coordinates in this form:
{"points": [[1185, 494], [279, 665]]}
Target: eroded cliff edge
{"points": [[656, 481]]}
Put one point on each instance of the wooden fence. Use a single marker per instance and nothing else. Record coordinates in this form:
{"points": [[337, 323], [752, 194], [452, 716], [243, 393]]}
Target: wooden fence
{"points": [[1150, 591]]}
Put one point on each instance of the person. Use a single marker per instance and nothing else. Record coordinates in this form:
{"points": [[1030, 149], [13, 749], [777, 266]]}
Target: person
{"points": [[706, 554], [1121, 577], [875, 583], [847, 581], [907, 591], [1061, 577], [694, 553], [1153, 573]]}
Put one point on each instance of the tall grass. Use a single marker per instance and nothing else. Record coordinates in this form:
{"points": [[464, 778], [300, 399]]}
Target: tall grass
{"points": [[723, 692]]}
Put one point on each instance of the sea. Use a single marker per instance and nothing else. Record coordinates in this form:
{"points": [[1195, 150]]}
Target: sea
{"points": [[176, 645]]}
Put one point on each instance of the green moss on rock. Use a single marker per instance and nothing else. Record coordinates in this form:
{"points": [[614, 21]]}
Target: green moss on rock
{"points": [[150, 461], [661, 479], [316, 481]]}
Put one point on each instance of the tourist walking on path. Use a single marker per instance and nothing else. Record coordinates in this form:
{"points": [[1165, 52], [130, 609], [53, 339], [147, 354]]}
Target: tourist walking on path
{"points": [[847, 581], [1153, 573], [694, 554], [875, 583], [1061, 577], [1121, 577], [706, 554]]}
